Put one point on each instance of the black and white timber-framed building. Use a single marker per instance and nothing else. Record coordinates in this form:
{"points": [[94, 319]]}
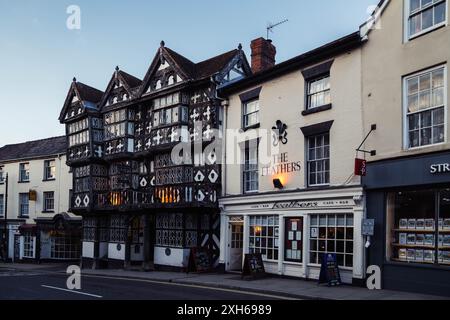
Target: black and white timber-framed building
{"points": [[138, 206]]}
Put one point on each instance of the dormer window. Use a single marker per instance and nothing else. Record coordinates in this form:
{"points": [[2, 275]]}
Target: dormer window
{"points": [[425, 15]]}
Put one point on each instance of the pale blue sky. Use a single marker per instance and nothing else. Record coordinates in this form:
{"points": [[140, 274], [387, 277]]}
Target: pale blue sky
{"points": [[39, 56]]}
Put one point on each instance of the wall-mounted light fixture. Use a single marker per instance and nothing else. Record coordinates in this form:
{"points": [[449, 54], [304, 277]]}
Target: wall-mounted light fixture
{"points": [[277, 184]]}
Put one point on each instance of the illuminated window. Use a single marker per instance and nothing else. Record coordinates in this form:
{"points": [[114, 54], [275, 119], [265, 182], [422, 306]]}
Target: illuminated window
{"points": [[264, 236]]}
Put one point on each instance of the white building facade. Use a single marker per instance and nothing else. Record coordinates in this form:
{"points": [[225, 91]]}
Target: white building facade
{"points": [[302, 200], [35, 185]]}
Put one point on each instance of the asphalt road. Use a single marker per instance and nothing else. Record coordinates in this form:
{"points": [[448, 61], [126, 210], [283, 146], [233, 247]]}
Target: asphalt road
{"points": [[51, 285]]}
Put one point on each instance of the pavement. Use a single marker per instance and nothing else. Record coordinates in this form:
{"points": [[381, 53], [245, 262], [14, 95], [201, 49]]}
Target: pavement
{"points": [[270, 286]]}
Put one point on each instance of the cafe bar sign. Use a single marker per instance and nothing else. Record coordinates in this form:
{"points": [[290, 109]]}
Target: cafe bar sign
{"points": [[312, 204]]}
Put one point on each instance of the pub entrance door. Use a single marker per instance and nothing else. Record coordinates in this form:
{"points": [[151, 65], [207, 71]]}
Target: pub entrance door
{"points": [[236, 245]]}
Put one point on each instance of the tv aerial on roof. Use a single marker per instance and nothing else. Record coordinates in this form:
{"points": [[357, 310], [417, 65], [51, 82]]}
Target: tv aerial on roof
{"points": [[271, 26]]}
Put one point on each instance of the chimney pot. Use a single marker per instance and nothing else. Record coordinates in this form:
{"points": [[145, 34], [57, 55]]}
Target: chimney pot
{"points": [[263, 54]]}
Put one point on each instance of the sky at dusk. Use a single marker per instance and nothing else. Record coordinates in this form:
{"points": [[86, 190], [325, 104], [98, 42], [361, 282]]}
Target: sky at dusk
{"points": [[39, 55]]}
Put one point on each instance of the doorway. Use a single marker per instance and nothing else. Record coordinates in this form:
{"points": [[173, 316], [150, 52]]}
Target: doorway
{"points": [[236, 245]]}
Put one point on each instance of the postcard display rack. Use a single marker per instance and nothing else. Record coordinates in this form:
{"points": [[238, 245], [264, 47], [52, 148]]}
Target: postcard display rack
{"points": [[415, 241]]}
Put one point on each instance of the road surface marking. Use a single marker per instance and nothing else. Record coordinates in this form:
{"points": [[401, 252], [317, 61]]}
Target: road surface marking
{"points": [[73, 291], [195, 286]]}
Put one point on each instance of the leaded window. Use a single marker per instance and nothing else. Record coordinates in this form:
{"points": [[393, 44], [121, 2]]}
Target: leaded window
{"points": [[169, 230], [425, 108], [117, 232]]}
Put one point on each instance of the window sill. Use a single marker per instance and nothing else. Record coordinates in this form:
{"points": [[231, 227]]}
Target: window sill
{"points": [[48, 211], [28, 181], [49, 180], [23, 217], [255, 126], [317, 109], [427, 31]]}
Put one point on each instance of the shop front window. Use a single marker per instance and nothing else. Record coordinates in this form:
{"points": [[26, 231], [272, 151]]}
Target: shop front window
{"points": [[332, 233], [264, 236], [65, 247], [419, 227]]}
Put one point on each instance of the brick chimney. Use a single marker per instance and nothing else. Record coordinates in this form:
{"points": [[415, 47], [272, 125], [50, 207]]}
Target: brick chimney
{"points": [[263, 54]]}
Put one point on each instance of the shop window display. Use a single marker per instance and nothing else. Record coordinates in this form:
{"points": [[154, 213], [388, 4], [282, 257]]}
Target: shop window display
{"points": [[419, 227]]}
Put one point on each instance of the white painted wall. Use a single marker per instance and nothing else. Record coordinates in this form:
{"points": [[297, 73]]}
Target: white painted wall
{"points": [[177, 258], [115, 254], [60, 186]]}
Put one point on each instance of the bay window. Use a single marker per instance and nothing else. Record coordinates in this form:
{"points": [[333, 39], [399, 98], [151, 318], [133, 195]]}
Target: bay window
{"points": [[425, 99]]}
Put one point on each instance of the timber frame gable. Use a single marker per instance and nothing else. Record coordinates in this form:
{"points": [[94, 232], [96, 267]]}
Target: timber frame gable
{"points": [[81, 99], [167, 69], [122, 88]]}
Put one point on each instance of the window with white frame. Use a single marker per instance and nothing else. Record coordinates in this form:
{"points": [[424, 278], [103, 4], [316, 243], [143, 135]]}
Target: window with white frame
{"points": [[24, 172], [425, 108], [28, 245], [250, 172], [251, 113], [2, 205], [319, 92], [331, 233], [49, 170], [425, 15], [264, 236], [23, 204], [319, 159], [49, 201]]}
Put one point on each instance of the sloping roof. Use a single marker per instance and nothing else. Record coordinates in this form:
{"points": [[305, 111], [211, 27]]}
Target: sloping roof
{"points": [[88, 93], [211, 66], [326, 51], [34, 149], [132, 81], [204, 68], [182, 62]]}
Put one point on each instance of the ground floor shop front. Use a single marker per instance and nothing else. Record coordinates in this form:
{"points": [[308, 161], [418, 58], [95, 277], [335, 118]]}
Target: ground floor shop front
{"points": [[409, 198], [45, 239], [148, 239], [293, 230]]}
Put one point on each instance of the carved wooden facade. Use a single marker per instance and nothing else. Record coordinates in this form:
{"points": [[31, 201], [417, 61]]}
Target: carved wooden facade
{"points": [[120, 145]]}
